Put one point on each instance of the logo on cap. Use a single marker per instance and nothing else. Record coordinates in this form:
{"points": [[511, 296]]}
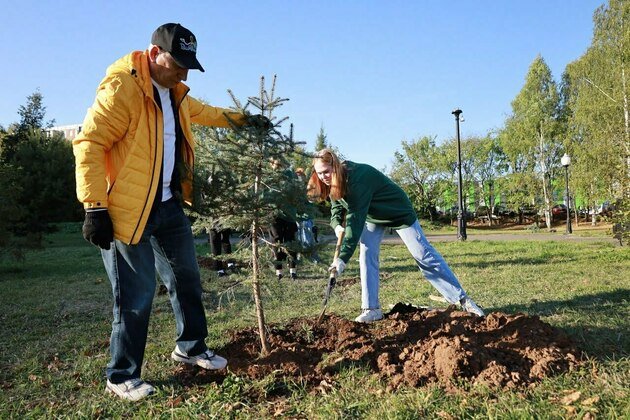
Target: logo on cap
{"points": [[188, 46], [179, 42]]}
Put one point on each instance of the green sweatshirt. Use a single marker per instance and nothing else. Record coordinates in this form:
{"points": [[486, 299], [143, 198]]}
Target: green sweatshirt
{"points": [[373, 197]]}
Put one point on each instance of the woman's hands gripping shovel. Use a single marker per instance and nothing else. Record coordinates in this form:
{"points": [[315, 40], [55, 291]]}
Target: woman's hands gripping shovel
{"points": [[335, 269]]}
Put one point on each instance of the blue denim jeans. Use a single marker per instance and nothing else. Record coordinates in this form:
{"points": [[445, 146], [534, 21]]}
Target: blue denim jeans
{"points": [[430, 262], [167, 246]]}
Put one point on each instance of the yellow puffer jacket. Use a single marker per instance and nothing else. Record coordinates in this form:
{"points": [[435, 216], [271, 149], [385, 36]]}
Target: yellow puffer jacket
{"points": [[119, 150]]}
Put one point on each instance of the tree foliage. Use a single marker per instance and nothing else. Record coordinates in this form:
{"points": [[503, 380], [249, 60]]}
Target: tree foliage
{"points": [[37, 185], [321, 140], [531, 132], [416, 169], [240, 184], [596, 109], [33, 113]]}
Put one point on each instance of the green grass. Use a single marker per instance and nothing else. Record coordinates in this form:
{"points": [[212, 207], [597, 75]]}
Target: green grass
{"points": [[56, 315]]}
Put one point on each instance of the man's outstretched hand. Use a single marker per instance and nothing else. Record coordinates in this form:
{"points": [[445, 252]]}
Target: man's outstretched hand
{"points": [[258, 121]]}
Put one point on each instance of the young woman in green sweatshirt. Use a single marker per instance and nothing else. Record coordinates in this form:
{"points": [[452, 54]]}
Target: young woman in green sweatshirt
{"points": [[371, 203]]}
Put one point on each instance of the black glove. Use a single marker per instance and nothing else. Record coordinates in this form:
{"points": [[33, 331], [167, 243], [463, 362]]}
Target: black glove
{"points": [[259, 121], [98, 228]]}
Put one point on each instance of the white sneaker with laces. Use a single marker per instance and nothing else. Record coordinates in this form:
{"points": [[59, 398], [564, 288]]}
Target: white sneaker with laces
{"points": [[132, 389], [206, 360], [369, 315], [470, 306]]}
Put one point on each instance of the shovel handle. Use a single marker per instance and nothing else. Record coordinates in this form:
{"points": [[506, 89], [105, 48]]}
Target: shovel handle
{"points": [[333, 277], [337, 251]]}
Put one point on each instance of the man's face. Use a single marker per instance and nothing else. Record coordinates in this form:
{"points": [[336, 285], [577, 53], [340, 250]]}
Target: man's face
{"points": [[165, 71]]}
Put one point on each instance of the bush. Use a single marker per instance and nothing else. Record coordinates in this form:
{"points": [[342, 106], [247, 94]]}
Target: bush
{"points": [[37, 184]]}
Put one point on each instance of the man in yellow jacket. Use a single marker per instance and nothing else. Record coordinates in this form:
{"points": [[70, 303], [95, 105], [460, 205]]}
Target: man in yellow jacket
{"points": [[134, 160]]}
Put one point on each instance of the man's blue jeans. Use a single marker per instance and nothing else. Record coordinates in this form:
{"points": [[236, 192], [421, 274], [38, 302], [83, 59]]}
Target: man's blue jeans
{"points": [[167, 245], [430, 262]]}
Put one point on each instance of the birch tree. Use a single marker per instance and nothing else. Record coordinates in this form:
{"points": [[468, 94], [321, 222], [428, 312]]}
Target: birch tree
{"points": [[416, 170], [596, 110], [531, 131]]}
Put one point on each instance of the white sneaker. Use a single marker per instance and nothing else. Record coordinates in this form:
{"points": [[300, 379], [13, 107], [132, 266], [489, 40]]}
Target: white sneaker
{"points": [[132, 389], [469, 305], [207, 360], [369, 315]]}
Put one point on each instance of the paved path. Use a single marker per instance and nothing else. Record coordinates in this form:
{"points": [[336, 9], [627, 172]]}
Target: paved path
{"points": [[452, 237], [517, 236]]}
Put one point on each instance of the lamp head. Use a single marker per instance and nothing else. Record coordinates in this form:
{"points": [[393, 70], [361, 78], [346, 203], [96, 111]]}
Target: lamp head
{"points": [[565, 160]]}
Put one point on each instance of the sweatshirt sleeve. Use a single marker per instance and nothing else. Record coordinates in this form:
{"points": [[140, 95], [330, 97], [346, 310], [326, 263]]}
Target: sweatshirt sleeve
{"points": [[358, 205], [336, 213]]}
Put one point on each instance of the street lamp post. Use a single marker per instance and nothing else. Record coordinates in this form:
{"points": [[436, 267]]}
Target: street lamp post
{"points": [[566, 161], [461, 214], [491, 200]]}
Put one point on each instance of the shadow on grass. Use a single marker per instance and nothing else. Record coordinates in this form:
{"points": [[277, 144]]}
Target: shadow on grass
{"points": [[595, 310], [542, 260], [408, 265]]}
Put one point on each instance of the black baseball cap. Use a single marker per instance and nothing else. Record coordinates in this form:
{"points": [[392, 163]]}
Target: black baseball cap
{"points": [[179, 42]]}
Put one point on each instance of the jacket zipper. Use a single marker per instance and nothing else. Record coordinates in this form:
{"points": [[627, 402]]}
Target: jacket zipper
{"points": [[179, 119], [184, 139], [152, 176]]}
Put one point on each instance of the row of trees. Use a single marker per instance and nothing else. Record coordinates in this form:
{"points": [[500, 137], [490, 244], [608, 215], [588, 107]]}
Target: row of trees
{"points": [[586, 116], [427, 172]]}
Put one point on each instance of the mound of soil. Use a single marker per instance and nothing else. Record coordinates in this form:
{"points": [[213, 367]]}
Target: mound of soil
{"points": [[411, 346]]}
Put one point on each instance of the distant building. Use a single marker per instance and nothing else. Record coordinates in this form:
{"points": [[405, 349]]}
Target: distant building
{"points": [[68, 131]]}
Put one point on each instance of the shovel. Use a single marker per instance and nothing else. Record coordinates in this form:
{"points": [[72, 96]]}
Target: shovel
{"points": [[332, 280]]}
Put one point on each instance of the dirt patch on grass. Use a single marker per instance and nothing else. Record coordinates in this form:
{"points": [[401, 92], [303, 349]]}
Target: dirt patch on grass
{"points": [[410, 347]]}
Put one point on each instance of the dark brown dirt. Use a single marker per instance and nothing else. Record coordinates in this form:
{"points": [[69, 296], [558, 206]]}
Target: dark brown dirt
{"points": [[411, 346]]}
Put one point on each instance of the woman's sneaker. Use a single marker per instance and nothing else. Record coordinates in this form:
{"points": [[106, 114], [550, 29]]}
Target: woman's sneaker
{"points": [[470, 306], [132, 389], [369, 315], [206, 360]]}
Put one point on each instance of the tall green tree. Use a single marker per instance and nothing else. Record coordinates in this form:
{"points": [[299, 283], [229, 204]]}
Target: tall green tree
{"points": [[486, 166], [320, 141], [416, 170], [447, 161], [596, 109], [531, 131], [32, 114], [41, 188]]}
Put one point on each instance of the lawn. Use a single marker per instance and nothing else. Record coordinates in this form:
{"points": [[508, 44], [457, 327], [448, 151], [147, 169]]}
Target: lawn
{"points": [[56, 314]]}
